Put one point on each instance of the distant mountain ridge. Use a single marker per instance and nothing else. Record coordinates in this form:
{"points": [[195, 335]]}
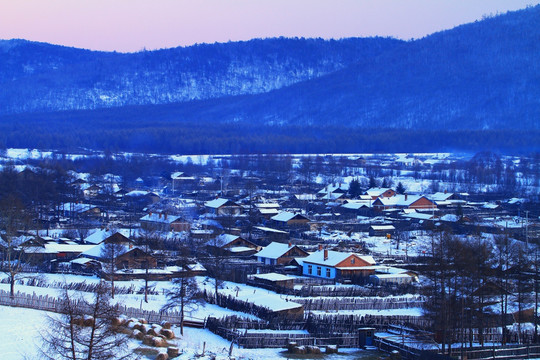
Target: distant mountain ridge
{"points": [[471, 87], [44, 77]]}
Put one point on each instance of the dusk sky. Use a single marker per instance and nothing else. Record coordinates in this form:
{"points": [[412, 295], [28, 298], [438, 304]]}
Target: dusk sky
{"points": [[131, 25]]}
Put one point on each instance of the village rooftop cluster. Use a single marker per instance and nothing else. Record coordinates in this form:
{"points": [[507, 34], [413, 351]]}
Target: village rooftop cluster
{"points": [[344, 247]]}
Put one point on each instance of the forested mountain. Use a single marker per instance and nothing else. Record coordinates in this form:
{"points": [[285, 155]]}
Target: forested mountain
{"points": [[44, 77], [476, 86]]}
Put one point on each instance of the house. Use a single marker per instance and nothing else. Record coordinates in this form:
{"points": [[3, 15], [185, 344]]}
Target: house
{"points": [[375, 193], [417, 202], [135, 258], [271, 281], [286, 218], [164, 222], [92, 191], [269, 234], [76, 209], [233, 244], [268, 209], [444, 198], [223, 207], [381, 230], [142, 197], [328, 264], [280, 254], [101, 235], [333, 189], [388, 275]]}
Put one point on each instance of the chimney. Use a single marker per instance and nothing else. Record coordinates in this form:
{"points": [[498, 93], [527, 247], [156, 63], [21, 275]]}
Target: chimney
{"points": [[150, 214], [445, 191], [320, 247], [290, 244], [160, 215], [165, 216], [325, 254], [405, 197]]}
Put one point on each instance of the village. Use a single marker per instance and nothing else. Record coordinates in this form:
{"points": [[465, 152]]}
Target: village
{"points": [[402, 255]]}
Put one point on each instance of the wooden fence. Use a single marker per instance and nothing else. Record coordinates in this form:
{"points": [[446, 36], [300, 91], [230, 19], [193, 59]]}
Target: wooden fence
{"points": [[335, 323], [499, 352], [53, 304], [359, 303], [231, 329]]}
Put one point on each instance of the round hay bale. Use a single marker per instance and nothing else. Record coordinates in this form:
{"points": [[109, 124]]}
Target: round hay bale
{"points": [[138, 335], [116, 321], [291, 345], [140, 327], [313, 349], [169, 334], [148, 340], [77, 321], [173, 351], [152, 331], [299, 350], [88, 321], [165, 324], [159, 342], [143, 321], [162, 356], [331, 349]]}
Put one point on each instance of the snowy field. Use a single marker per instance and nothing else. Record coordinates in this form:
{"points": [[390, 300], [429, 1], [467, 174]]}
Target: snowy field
{"points": [[20, 339]]}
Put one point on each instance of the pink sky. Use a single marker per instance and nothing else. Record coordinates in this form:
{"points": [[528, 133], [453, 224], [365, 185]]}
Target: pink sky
{"points": [[131, 25]]}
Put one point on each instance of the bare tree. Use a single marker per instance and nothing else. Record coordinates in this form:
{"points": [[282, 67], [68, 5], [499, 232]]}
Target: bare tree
{"points": [[13, 219], [109, 253], [84, 330], [185, 292]]}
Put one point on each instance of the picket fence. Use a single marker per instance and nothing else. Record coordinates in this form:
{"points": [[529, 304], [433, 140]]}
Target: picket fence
{"points": [[358, 303], [53, 304]]}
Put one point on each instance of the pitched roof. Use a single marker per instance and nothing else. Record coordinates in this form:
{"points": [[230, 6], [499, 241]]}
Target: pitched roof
{"points": [[376, 191], [217, 203], [274, 250], [160, 218], [334, 258], [287, 216]]}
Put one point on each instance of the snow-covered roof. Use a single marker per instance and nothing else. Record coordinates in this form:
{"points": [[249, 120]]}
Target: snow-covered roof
{"points": [[138, 193], [177, 174], [54, 248], [334, 258], [344, 187], [440, 196], [376, 191], [101, 234], [305, 197], [274, 250], [268, 211], [419, 216], [383, 227], [400, 200], [223, 239], [267, 205], [217, 203], [78, 208], [355, 205], [267, 229], [160, 218], [285, 216]]}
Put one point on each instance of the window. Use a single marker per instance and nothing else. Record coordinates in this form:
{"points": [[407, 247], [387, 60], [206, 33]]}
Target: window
{"points": [[309, 269], [318, 271], [352, 260], [327, 272]]}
